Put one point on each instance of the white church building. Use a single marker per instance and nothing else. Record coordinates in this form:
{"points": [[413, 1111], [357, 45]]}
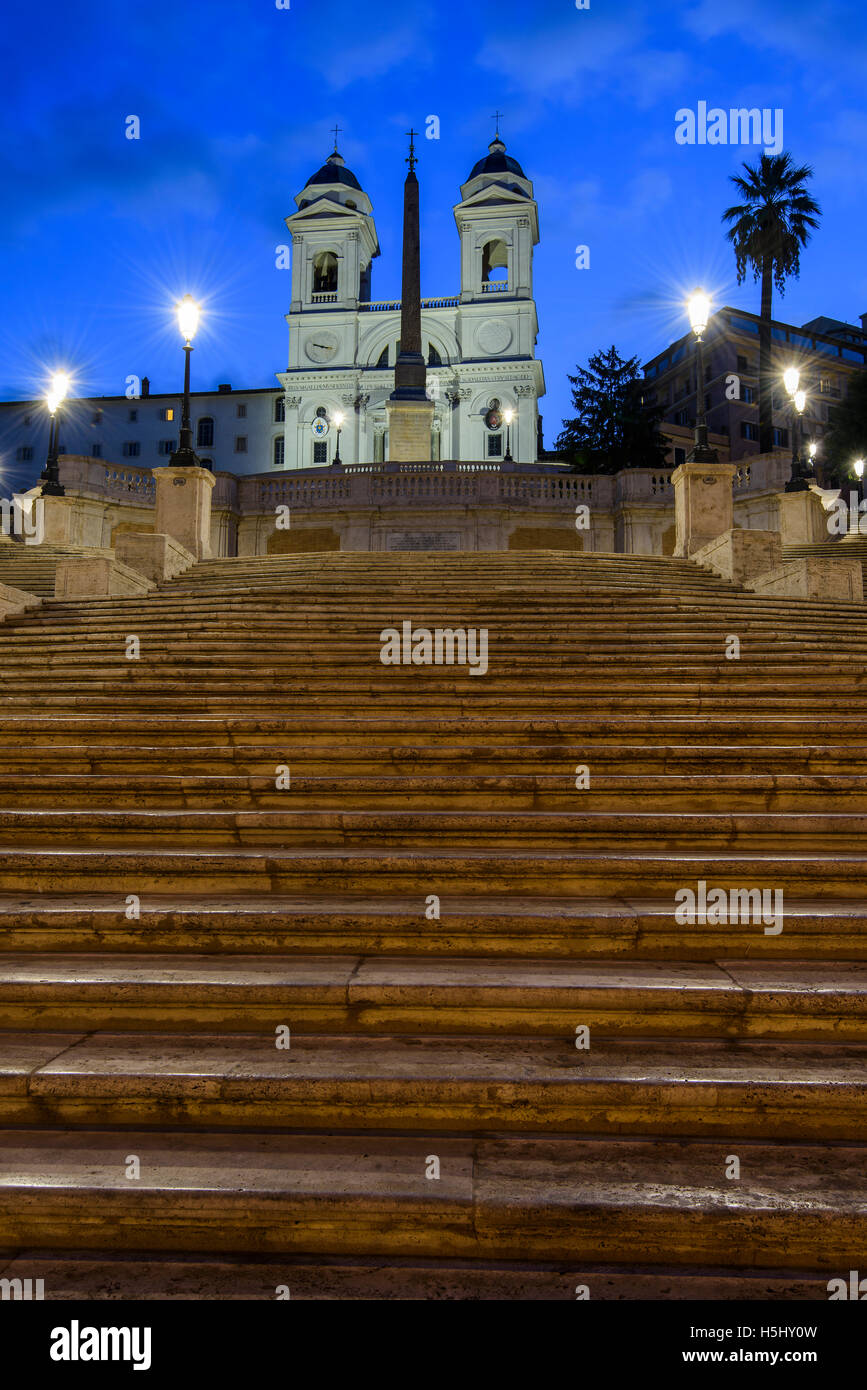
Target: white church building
{"points": [[479, 344]]}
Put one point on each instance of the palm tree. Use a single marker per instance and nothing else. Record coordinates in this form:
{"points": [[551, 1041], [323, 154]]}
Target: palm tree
{"points": [[768, 230]]}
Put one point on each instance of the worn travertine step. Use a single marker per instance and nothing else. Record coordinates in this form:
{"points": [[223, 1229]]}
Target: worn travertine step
{"points": [[107, 1277], [827, 792], [404, 870], [813, 834], [477, 926], [392, 994], [620, 1201], [435, 1084]]}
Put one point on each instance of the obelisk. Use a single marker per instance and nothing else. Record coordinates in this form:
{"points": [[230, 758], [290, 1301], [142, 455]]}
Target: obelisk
{"points": [[410, 413]]}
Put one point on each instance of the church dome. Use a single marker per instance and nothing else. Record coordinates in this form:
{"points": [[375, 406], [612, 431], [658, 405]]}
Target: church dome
{"points": [[334, 171], [496, 161]]}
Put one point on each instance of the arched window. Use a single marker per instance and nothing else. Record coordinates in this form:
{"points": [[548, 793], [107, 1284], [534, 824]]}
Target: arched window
{"points": [[207, 463], [383, 358], [433, 357], [495, 261], [325, 273], [205, 433]]}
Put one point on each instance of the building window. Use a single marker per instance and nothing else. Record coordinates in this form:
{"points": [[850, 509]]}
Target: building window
{"points": [[207, 463], [24, 455], [241, 411], [749, 430], [681, 417], [96, 451], [279, 409], [320, 451], [131, 449], [781, 439], [167, 413], [383, 358], [240, 444], [279, 453], [743, 364], [679, 457], [748, 394], [433, 357], [166, 446], [133, 416], [205, 433], [325, 273], [96, 417], [495, 446]]}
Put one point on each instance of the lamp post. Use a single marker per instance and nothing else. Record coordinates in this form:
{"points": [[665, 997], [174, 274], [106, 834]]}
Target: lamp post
{"points": [[51, 484], [698, 307], [508, 416], [799, 480], [337, 420], [188, 312]]}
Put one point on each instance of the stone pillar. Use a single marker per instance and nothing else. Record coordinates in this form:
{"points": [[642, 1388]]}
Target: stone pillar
{"points": [[703, 505], [57, 520], [803, 519], [184, 507]]}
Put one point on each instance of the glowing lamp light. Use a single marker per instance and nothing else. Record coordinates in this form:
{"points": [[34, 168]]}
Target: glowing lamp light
{"points": [[814, 449], [800, 399], [791, 379], [698, 307], [60, 384], [338, 419], [859, 468], [508, 415], [188, 312], [52, 400]]}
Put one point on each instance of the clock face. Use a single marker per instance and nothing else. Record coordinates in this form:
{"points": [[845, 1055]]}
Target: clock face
{"points": [[320, 346]]}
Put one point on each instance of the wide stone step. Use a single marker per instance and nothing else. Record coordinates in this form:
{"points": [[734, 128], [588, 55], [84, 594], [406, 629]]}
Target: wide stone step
{"points": [[108, 1277], [422, 871], [619, 1201], [435, 1084], [510, 831], [479, 926], [828, 792], [451, 995]]}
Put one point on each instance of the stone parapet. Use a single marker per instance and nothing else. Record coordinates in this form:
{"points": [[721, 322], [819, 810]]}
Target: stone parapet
{"points": [[821, 577], [95, 576], [739, 556]]}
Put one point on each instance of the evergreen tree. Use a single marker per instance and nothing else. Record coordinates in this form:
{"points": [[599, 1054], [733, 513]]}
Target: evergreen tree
{"points": [[612, 428]]}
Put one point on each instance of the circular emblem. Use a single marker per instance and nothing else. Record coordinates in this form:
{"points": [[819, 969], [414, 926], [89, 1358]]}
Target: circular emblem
{"points": [[493, 419], [319, 427], [494, 336]]}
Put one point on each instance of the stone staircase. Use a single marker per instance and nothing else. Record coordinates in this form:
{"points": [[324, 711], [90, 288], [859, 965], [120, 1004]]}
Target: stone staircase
{"points": [[166, 909], [32, 567]]}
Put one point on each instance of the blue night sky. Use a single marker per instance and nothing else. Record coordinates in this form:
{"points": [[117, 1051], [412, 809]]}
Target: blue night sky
{"points": [[236, 99]]}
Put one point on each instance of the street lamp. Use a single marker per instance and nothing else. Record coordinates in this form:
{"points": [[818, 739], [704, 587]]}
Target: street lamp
{"points": [[698, 307], [799, 480], [337, 419], [188, 312], [508, 416], [858, 465], [56, 395]]}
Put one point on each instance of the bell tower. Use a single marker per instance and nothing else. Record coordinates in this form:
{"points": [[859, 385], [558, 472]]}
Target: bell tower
{"points": [[334, 241]]}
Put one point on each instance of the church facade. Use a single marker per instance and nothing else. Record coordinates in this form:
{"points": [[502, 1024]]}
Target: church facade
{"points": [[479, 343]]}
